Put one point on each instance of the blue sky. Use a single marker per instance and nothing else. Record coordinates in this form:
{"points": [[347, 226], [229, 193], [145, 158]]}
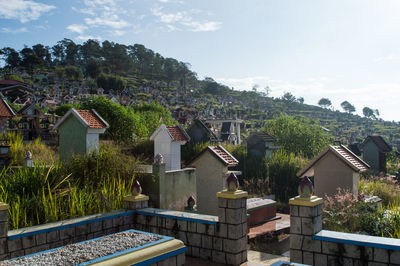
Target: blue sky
{"points": [[342, 49]]}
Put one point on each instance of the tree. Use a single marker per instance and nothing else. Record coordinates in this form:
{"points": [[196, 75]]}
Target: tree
{"points": [[300, 100], [324, 102], [368, 112], [93, 68], [288, 97], [29, 59], [73, 73], [110, 82], [12, 57], [297, 135], [348, 107]]}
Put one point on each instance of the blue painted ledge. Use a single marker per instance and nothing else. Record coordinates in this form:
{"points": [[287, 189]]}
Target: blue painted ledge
{"points": [[359, 240], [185, 216], [286, 263]]}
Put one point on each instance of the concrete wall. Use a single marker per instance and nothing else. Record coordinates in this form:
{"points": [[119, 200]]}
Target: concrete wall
{"points": [[330, 173], [177, 187], [72, 138], [371, 155], [210, 179], [169, 189]]}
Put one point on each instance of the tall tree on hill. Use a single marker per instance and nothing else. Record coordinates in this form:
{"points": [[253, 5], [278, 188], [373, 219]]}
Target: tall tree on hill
{"points": [[368, 112], [288, 97], [348, 107], [170, 69], [324, 102], [58, 52], [29, 59], [11, 57], [90, 50]]}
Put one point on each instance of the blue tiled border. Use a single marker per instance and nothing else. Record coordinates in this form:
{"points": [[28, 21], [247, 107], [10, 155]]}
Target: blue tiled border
{"points": [[359, 240], [149, 261], [21, 235], [177, 217]]}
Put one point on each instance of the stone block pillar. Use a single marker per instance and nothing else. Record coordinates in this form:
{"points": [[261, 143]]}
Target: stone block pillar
{"points": [[305, 221], [3, 227], [136, 200], [232, 227]]}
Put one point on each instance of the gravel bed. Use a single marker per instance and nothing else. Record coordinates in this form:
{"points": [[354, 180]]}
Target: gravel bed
{"points": [[77, 253]]}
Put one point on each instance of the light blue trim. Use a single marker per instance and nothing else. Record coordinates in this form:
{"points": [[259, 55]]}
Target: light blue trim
{"points": [[281, 263], [359, 240], [21, 235], [177, 217]]}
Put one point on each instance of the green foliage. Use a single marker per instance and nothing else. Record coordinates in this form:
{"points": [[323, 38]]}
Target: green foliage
{"points": [[190, 149], [111, 82], [122, 122], [297, 135], [73, 73], [61, 110], [343, 213], [87, 185], [385, 188], [282, 169], [18, 149], [348, 107], [324, 102], [16, 77]]}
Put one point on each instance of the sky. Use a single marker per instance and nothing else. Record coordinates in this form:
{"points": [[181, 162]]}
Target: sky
{"points": [[343, 50]]}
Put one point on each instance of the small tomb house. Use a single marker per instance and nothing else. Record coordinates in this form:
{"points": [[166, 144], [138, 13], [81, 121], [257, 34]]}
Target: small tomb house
{"points": [[211, 172], [79, 132], [167, 142], [374, 150], [335, 167]]}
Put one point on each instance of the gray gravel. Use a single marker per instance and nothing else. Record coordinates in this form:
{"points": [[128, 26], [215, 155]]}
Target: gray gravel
{"points": [[77, 253]]}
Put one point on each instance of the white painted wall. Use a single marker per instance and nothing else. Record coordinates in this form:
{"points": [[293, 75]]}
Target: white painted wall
{"points": [[175, 156], [92, 142], [162, 145]]}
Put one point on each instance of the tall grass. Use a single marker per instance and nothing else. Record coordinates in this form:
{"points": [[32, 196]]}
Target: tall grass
{"points": [[46, 193]]}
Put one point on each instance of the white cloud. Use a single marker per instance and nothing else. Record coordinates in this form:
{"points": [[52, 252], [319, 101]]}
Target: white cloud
{"points": [[78, 28], [185, 20], [9, 30], [87, 37], [118, 32], [203, 26], [112, 22], [384, 58], [23, 10]]}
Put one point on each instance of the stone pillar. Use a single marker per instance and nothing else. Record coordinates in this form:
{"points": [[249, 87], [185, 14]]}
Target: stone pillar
{"points": [[238, 133], [305, 221], [136, 200], [3, 227], [232, 219], [159, 193]]}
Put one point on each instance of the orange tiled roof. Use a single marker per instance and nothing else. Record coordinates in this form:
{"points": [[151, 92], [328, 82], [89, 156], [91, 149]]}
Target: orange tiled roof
{"points": [[224, 155], [350, 158], [92, 119], [177, 133], [5, 110]]}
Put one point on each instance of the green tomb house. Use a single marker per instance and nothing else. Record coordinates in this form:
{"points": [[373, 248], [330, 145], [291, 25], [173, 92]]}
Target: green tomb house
{"points": [[78, 132]]}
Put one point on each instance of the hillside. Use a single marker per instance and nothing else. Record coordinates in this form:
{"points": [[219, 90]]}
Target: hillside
{"points": [[130, 74]]}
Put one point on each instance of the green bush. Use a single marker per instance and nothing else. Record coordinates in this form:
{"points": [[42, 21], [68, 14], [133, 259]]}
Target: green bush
{"points": [[282, 169]]}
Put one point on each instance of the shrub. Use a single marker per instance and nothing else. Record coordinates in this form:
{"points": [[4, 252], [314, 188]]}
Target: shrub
{"points": [[386, 188], [282, 169]]}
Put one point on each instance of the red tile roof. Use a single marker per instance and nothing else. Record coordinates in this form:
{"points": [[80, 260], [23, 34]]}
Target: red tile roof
{"points": [[224, 155], [92, 119], [5, 109], [177, 133], [220, 153], [351, 158], [342, 153], [11, 82]]}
